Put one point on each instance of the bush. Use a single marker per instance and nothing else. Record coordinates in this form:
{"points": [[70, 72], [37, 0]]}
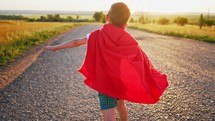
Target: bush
{"points": [[163, 21], [181, 21], [210, 22]]}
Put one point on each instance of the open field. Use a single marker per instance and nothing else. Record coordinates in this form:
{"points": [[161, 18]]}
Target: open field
{"points": [[189, 31], [193, 18], [18, 36]]}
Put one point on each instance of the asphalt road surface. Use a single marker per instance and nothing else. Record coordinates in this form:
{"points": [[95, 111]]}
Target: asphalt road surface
{"points": [[52, 89]]}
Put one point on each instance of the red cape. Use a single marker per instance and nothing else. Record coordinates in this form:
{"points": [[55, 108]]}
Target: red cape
{"points": [[116, 66]]}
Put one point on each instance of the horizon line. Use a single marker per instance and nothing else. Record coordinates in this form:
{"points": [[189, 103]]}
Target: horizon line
{"points": [[107, 11]]}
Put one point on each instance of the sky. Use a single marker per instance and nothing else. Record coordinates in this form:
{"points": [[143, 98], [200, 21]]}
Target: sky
{"points": [[169, 6]]}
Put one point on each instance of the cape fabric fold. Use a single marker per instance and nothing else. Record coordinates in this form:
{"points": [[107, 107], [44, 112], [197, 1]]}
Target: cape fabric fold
{"points": [[116, 66]]}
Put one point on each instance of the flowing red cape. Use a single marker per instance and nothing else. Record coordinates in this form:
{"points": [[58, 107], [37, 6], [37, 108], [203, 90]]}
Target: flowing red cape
{"points": [[116, 66]]}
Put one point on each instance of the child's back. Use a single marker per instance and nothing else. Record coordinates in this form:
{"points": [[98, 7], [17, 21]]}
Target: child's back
{"points": [[116, 67]]}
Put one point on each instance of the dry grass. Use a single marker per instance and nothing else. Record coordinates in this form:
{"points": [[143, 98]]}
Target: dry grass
{"points": [[188, 31], [18, 36], [10, 30]]}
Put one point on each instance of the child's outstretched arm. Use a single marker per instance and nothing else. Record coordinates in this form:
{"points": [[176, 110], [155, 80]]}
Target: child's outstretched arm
{"points": [[69, 44]]}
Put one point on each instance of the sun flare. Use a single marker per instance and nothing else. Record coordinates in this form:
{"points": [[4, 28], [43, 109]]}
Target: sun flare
{"points": [[99, 5], [171, 6]]}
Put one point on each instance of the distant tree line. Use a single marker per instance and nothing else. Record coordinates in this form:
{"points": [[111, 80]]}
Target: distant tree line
{"points": [[97, 17], [100, 17], [48, 18], [57, 18], [178, 20], [12, 17], [163, 21]]}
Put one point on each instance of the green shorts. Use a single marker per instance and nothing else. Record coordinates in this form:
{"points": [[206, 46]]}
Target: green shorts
{"points": [[107, 102]]}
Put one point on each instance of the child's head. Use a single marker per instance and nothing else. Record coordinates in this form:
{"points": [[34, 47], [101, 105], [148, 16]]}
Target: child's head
{"points": [[119, 14]]}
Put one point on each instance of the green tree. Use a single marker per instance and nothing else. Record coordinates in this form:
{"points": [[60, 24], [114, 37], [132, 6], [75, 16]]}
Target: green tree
{"points": [[99, 17], [50, 17], [181, 21], [163, 21], [131, 20], [42, 18], [141, 20], [77, 17], [69, 18], [57, 17]]}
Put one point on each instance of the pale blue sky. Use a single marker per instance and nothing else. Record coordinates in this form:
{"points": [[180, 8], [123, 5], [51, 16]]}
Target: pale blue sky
{"points": [[100, 5]]}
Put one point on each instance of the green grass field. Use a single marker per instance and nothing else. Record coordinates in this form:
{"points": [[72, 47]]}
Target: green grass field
{"points": [[16, 37], [188, 31]]}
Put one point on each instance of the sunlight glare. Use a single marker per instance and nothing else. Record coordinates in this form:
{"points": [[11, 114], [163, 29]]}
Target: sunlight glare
{"points": [[171, 6]]}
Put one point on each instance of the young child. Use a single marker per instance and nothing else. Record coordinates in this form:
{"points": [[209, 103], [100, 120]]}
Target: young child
{"points": [[116, 67]]}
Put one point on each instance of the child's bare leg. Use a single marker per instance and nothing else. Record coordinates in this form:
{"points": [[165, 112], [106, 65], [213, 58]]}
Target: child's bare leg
{"points": [[123, 114], [109, 115]]}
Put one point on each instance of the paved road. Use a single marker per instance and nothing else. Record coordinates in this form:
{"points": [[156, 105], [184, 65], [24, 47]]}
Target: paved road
{"points": [[52, 89]]}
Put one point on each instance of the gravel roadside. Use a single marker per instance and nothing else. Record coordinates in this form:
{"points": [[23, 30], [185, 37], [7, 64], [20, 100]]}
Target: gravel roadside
{"points": [[52, 89]]}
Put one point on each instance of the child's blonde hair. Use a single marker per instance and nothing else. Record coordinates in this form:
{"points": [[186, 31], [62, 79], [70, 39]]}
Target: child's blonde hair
{"points": [[119, 14]]}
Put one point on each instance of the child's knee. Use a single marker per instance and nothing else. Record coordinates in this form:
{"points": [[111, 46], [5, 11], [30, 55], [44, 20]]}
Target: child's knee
{"points": [[120, 103], [109, 115]]}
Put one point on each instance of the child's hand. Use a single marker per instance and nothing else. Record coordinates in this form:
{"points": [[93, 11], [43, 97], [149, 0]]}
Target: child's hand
{"points": [[52, 48]]}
